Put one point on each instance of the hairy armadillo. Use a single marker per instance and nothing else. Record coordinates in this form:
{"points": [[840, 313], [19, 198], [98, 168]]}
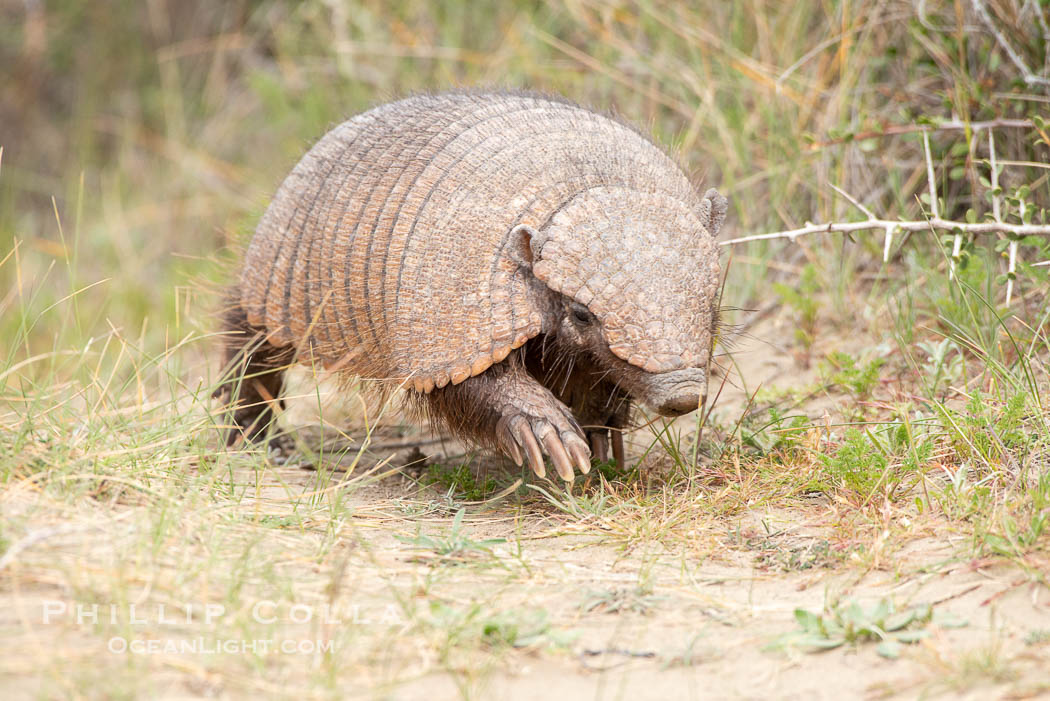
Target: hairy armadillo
{"points": [[524, 267]]}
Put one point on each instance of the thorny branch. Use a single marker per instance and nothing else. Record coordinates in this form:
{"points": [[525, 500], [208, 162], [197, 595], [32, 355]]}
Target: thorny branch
{"points": [[890, 226], [899, 226]]}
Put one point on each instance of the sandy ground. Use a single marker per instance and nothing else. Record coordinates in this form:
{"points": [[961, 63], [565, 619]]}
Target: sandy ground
{"points": [[597, 606], [697, 628]]}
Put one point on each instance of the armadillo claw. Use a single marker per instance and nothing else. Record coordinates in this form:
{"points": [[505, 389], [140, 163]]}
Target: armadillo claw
{"points": [[581, 454], [512, 449], [556, 449], [507, 442], [522, 438], [523, 433]]}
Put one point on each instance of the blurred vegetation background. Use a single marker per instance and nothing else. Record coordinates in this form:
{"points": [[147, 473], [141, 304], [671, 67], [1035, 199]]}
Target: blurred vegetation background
{"points": [[140, 138]]}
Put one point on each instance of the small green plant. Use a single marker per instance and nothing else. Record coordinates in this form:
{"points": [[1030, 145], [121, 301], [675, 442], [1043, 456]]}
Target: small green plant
{"points": [[611, 471], [1016, 536], [460, 481], [770, 431], [987, 430], [512, 628], [943, 364], [842, 624], [818, 553], [456, 545], [588, 504], [842, 370], [519, 629], [1038, 636], [631, 600], [911, 441], [962, 497], [881, 456], [859, 463]]}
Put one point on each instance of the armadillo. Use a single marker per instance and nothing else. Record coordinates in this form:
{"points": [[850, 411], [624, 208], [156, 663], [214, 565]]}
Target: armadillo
{"points": [[523, 267]]}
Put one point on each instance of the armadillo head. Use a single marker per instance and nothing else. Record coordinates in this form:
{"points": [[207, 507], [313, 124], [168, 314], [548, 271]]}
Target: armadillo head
{"points": [[638, 276]]}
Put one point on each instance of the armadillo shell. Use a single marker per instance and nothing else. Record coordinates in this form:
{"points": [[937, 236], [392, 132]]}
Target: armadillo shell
{"points": [[387, 253]]}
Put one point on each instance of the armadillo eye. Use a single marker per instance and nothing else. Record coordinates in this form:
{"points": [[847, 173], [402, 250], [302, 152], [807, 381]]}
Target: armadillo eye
{"points": [[581, 314]]}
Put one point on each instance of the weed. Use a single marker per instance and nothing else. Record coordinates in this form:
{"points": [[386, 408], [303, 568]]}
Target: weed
{"points": [[613, 472], [858, 463], [1038, 636], [460, 481], [1015, 532], [473, 626], [842, 370], [985, 432], [962, 498], [818, 553], [597, 503], [943, 364], [966, 669], [771, 431], [639, 600], [455, 546], [849, 623]]}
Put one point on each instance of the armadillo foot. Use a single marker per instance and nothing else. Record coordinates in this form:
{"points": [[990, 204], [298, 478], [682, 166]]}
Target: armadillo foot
{"points": [[507, 407], [556, 433]]}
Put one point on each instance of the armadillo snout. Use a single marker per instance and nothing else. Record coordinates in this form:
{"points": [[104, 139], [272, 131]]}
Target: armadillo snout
{"points": [[674, 393], [682, 404]]}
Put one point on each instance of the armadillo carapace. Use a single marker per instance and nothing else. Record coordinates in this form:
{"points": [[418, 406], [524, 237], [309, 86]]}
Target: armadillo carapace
{"points": [[524, 267]]}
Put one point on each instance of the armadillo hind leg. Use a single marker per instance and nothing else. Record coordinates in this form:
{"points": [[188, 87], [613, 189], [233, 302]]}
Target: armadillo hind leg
{"points": [[599, 440], [601, 426], [617, 447], [616, 423], [253, 373], [509, 409]]}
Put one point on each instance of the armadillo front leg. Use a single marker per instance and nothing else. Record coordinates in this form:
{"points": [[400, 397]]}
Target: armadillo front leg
{"points": [[507, 408]]}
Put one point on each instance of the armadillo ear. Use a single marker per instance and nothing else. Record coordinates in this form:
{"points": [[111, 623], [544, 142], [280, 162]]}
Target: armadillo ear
{"points": [[519, 244], [713, 211]]}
